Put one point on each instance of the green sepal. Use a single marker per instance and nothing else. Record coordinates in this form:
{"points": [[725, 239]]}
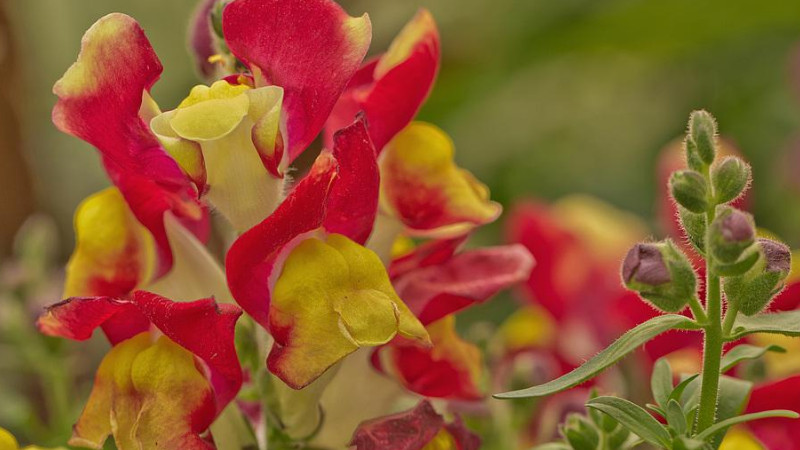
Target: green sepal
{"points": [[690, 190], [634, 418], [745, 352], [730, 234], [676, 282], [745, 262], [694, 225], [751, 294], [729, 179], [627, 343]]}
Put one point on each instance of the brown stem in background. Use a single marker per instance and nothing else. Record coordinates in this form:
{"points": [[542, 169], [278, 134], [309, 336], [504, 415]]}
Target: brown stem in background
{"points": [[16, 188]]}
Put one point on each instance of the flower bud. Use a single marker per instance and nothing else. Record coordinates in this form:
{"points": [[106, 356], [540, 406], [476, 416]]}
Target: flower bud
{"points": [[752, 291], [729, 179], [692, 157], [580, 433], [702, 132], [661, 274], [690, 190], [731, 233], [694, 225]]}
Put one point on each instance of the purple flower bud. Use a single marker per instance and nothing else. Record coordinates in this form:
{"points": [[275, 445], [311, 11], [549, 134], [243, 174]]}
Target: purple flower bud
{"points": [[644, 264], [737, 227], [778, 256]]}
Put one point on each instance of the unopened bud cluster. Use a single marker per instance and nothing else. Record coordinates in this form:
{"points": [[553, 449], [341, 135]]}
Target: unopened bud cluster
{"points": [[594, 431], [753, 270]]}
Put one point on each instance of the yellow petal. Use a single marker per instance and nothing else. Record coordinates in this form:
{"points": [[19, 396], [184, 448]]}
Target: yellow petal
{"points": [[331, 298], [442, 441], [740, 439], [114, 253]]}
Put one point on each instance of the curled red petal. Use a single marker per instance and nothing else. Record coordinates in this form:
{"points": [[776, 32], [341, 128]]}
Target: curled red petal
{"points": [[77, 318], [470, 277], [251, 258], [206, 329], [391, 89], [353, 201], [99, 101], [408, 430], [201, 39], [327, 47]]}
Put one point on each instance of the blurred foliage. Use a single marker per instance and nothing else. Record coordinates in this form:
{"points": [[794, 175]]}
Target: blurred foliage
{"points": [[533, 92]]}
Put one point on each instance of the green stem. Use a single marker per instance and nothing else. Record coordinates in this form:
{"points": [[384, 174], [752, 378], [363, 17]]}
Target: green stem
{"points": [[697, 310], [730, 319], [712, 350]]}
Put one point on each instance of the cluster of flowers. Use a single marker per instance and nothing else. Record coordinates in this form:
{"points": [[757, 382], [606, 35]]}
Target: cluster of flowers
{"points": [[349, 274]]}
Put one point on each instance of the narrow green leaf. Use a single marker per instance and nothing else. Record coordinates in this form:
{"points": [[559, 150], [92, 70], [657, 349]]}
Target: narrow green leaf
{"points": [[785, 323], [634, 418], [675, 417], [678, 391], [719, 426], [661, 382], [744, 352], [609, 356]]}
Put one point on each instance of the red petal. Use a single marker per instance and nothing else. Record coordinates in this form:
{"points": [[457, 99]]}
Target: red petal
{"points": [[76, 318], [408, 430], [201, 39], [251, 258], [776, 433], [100, 97], [392, 97], [430, 253], [465, 439], [470, 277], [327, 47], [206, 329], [353, 200]]}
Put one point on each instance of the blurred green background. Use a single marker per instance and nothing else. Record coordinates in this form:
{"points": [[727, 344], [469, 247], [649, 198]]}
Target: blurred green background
{"points": [[543, 98]]}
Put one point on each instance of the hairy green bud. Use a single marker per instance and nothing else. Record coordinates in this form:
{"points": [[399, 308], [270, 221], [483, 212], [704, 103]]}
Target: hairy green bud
{"points": [[661, 274], [702, 132], [752, 291], [729, 179], [580, 433], [730, 234], [694, 225], [690, 190]]}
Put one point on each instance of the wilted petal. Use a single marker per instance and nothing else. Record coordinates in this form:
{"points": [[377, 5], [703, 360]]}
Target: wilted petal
{"points": [[450, 369], [251, 258], [331, 298], [422, 186], [99, 101], [353, 201], [327, 47], [418, 428], [147, 394], [391, 90], [467, 278]]}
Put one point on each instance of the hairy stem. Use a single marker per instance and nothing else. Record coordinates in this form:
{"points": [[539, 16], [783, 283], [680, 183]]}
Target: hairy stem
{"points": [[712, 350], [730, 319], [697, 310]]}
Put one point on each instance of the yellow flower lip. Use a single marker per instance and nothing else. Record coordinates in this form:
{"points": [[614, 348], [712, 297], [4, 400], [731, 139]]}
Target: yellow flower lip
{"points": [[332, 297], [210, 113]]}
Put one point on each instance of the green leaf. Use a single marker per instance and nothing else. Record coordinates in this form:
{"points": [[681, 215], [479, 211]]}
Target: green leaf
{"points": [[634, 418], [785, 323], [744, 352], [719, 426], [733, 396], [675, 417], [609, 356], [661, 382], [677, 393]]}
